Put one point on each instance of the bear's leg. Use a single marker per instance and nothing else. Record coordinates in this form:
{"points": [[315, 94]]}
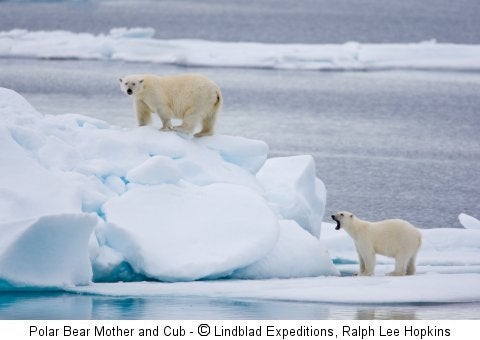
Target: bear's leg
{"points": [[400, 266], [143, 113], [188, 124], [362, 264], [411, 269], [207, 125], [166, 124], [369, 260], [165, 114]]}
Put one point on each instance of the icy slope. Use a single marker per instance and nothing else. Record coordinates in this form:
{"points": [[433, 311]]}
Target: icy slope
{"points": [[169, 207], [51, 251]]}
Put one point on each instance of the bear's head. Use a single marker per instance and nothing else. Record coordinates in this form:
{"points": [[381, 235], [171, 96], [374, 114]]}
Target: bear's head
{"points": [[132, 84], [343, 219]]}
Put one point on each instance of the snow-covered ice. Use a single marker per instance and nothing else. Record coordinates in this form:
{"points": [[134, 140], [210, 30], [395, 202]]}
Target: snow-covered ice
{"points": [[138, 44], [174, 233], [166, 206], [448, 268], [86, 205], [429, 288]]}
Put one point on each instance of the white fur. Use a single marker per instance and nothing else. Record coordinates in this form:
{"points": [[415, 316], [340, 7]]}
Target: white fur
{"points": [[393, 238], [191, 97]]}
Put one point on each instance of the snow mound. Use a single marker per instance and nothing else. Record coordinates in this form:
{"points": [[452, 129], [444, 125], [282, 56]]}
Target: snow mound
{"points": [[155, 170], [169, 207], [138, 44], [191, 232]]}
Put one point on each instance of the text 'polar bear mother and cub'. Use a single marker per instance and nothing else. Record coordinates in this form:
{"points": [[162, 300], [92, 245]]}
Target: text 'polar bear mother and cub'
{"points": [[196, 99], [193, 98]]}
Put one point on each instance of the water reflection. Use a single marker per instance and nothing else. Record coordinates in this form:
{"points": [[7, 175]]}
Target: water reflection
{"points": [[385, 314], [26, 305]]}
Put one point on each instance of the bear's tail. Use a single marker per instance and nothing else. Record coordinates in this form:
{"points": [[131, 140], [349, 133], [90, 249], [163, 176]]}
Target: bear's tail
{"points": [[208, 123], [219, 102]]}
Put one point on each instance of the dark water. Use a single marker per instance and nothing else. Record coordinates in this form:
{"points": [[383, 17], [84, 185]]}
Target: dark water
{"points": [[279, 21], [53, 306]]}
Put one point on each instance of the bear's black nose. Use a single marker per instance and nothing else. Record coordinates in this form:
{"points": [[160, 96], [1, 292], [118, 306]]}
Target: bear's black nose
{"points": [[129, 91]]}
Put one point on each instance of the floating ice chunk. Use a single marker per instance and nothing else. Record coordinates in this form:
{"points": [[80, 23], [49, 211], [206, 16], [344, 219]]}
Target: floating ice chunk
{"points": [[155, 170], [213, 221], [296, 254], [294, 191], [51, 251], [138, 44], [171, 233], [469, 222]]}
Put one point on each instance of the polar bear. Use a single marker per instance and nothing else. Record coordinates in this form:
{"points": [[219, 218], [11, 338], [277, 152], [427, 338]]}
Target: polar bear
{"points": [[193, 98], [393, 238]]}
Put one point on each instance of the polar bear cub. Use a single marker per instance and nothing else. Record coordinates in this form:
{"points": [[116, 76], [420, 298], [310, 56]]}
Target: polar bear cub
{"points": [[393, 238], [193, 98]]}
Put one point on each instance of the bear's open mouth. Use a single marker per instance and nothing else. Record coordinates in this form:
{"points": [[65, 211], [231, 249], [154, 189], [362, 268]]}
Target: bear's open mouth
{"points": [[338, 225], [338, 222]]}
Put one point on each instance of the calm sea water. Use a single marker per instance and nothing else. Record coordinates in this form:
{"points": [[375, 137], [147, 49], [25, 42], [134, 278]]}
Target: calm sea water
{"points": [[52, 306], [278, 21]]}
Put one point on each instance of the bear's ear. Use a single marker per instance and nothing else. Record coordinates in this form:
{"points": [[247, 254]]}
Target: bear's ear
{"points": [[141, 81], [120, 79]]}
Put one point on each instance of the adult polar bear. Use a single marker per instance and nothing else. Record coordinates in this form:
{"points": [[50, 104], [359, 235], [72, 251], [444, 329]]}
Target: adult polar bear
{"points": [[191, 97], [393, 238]]}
